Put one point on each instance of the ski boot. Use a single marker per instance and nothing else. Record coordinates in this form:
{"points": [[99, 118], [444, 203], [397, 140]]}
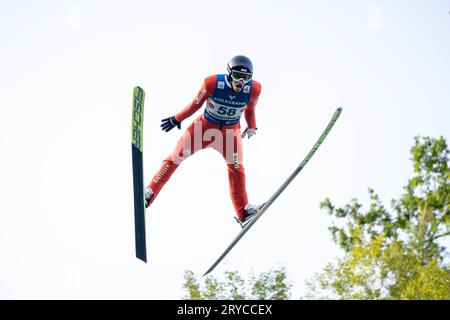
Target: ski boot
{"points": [[250, 211], [148, 196]]}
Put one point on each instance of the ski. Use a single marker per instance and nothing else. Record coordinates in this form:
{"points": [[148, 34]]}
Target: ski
{"points": [[266, 205], [138, 181]]}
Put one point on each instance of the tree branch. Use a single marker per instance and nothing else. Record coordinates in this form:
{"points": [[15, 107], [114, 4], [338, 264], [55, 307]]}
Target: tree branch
{"points": [[440, 236]]}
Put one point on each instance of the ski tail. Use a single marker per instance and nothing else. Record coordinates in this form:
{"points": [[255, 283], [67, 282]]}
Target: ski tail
{"points": [[316, 146], [138, 181]]}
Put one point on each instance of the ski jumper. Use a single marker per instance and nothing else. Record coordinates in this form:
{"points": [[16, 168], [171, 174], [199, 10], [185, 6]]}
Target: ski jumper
{"points": [[218, 128]]}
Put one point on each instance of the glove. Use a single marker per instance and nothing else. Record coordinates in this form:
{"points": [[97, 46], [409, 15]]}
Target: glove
{"points": [[249, 132], [169, 123]]}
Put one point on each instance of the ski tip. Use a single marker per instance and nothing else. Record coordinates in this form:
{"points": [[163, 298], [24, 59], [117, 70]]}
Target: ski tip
{"points": [[337, 113], [139, 93]]}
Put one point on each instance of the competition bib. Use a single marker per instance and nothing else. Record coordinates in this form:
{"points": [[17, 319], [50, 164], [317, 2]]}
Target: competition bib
{"points": [[225, 106]]}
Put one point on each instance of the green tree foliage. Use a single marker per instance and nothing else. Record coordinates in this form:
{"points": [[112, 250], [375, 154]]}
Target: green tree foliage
{"points": [[271, 285], [394, 254]]}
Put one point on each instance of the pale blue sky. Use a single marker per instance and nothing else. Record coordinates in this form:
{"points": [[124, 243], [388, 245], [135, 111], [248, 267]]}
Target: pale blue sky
{"points": [[67, 70]]}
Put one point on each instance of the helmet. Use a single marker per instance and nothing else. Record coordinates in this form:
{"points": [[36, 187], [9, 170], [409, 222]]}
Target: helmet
{"points": [[240, 67]]}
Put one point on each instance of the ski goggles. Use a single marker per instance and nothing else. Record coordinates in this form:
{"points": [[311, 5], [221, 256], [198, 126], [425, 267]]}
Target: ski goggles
{"points": [[238, 76]]}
